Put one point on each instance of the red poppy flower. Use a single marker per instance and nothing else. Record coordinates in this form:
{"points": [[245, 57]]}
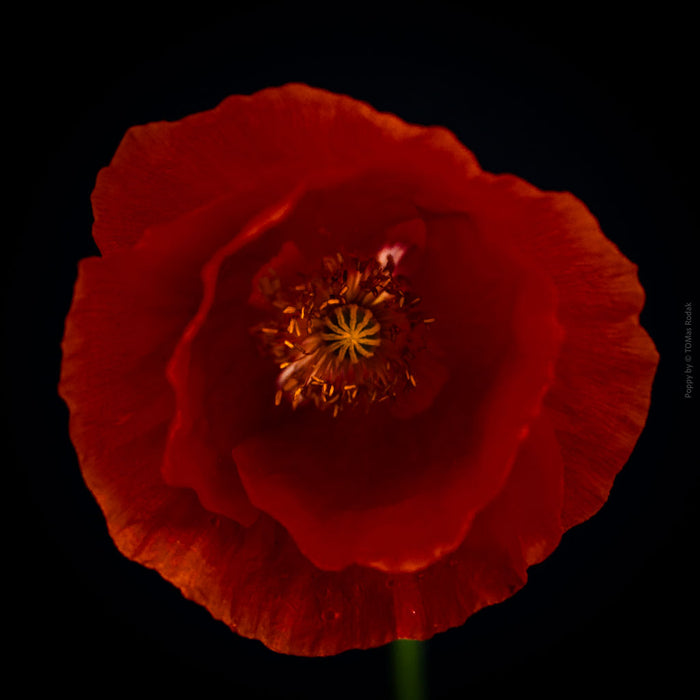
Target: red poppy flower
{"points": [[335, 382]]}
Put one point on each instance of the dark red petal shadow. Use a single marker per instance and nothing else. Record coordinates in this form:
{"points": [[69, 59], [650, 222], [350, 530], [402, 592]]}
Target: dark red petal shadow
{"points": [[600, 399], [220, 390], [224, 389]]}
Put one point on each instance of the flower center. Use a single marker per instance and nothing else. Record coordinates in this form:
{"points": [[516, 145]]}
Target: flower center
{"points": [[344, 336]]}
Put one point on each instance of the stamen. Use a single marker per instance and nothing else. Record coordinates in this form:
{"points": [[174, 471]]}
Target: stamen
{"points": [[345, 337]]}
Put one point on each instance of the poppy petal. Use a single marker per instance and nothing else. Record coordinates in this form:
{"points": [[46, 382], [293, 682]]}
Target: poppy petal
{"points": [[267, 142], [122, 327], [256, 581], [215, 370], [600, 399], [128, 313], [518, 529]]}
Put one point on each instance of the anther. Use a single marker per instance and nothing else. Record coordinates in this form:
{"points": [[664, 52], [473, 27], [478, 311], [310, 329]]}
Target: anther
{"points": [[341, 339]]}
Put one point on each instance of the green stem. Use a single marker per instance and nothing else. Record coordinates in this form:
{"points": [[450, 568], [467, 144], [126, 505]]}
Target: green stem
{"points": [[409, 670]]}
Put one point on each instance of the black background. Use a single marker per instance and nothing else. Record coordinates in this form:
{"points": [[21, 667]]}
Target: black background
{"points": [[578, 99]]}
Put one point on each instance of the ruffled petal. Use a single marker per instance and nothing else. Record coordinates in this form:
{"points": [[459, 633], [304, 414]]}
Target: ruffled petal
{"points": [[518, 529], [266, 142], [219, 379], [600, 399], [126, 317], [256, 581], [128, 313]]}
